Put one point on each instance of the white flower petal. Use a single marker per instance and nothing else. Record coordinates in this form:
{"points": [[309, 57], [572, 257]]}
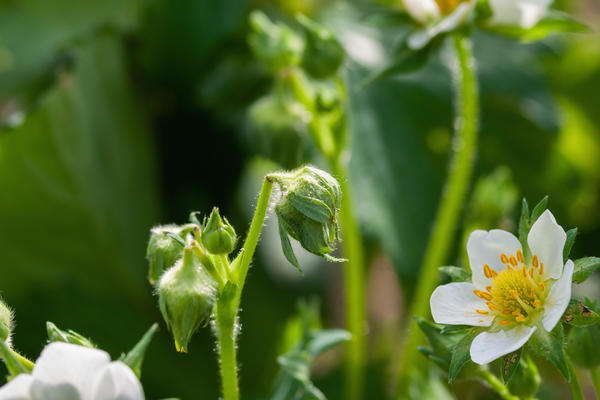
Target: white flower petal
{"points": [[521, 13], [485, 248], [487, 347], [17, 389], [455, 304], [69, 363], [558, 299], [546, 239], [53, 391], [117, 382], [422, 10]]}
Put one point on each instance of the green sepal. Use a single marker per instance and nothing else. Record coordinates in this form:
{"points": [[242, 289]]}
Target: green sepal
{"points": [[554, 21], [584, 267], [539, 209], [510, 364], [577, 314], [527, 220], [135, 358], [312, 208], [331, 258], [58, 335], [456, 274], [571, 236], [286, 246], [461, 354], [551, 346], [13, 364]]}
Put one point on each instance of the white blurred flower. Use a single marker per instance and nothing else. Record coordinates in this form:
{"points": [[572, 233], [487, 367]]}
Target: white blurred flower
{"points": [[69, 372], [521, 13], [509, 297]]}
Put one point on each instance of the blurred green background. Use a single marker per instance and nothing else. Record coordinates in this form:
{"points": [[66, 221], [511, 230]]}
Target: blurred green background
{"points": [[119, 115]]}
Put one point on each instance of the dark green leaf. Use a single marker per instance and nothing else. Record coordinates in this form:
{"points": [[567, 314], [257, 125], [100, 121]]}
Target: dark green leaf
{"points": [[286, 246], [510, 364], [584, 267], [577, 314], [457, 274], [135, 357], [571, 235], [460, 355]]}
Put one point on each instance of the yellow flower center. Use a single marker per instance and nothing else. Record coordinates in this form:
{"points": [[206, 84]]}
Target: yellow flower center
{"points": [[447, 6], [517, 292]]}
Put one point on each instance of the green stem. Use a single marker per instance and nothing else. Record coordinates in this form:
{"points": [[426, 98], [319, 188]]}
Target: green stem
{"points": [[574, 382], [444, 228], [354, 287], [226, 307], [596, 380], [496, 385]]}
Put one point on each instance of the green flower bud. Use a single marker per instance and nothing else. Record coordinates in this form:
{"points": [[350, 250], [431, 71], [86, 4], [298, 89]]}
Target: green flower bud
{"points": [[323, 53], [582, 346], [185, 296], [164, 248], [218, 237], [307, 210], [6, 322], [276, 44], [58, 335], [526, 380]]}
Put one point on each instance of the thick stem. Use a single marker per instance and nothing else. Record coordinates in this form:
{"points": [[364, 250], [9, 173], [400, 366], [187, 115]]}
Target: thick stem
{"points": [[226, 336], [596, 380], [574, 382], [496, 385], [444, 228], [355, 287]]}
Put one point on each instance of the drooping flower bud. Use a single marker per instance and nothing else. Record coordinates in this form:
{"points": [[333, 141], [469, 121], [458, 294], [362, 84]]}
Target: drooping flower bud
{"points": [[526, 380], [307, 210], [218, 236], [185, 295], [58, 335], [164, 248], [6, 322], [323, 53], [276, 44]]}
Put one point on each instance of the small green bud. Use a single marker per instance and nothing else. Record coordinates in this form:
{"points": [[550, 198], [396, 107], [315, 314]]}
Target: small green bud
{"points": [[526, 380], [58, 335], [276, 44], [308, 210], [164, 248], [582, 346], [323, 53], [185, 295], [6, 322], [218, 237]]}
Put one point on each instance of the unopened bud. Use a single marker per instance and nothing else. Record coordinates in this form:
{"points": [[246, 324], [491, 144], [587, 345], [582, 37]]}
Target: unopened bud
{"points": [[308, 210], [6, 322], [323, 53], [276, 44], [69, 336], [186, 295], [218, 236], [526, 380], [164, 248]]}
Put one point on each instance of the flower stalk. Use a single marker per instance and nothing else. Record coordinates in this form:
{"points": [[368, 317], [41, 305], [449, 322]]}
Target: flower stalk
{"points": [[496, 384], [595, 380], [574, 382], [461, 167]]}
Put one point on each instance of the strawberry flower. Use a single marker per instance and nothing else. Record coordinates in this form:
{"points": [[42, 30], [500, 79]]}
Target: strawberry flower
{"points": [[511, 296], [70, 372]]}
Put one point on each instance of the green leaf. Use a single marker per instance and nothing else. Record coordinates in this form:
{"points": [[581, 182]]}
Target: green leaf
{"points": [[571, 235], [297, 364], [457, 274], [460, 355], [286, 246], [510, 364], [135, 357], [551, 346], [577, 314], [555, 21], [584, 267], [324, 340]]}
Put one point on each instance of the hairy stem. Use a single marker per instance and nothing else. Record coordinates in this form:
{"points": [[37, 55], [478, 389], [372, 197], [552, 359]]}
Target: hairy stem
{"points": [[454, 193], [496, 385], [226, 336]]}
